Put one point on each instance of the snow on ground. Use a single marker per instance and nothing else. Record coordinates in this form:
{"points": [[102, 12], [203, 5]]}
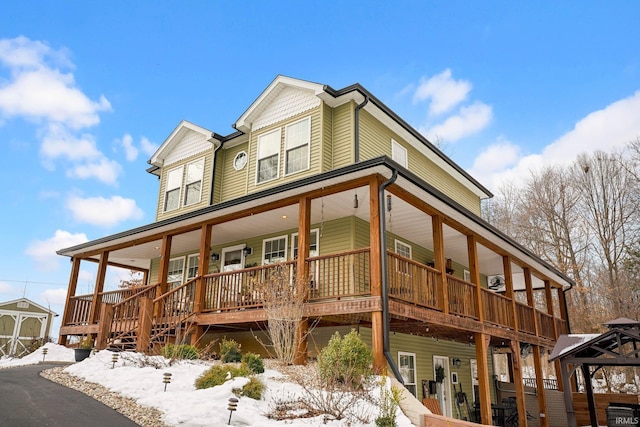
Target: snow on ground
{"points": [[182, 404], [55, 353]]}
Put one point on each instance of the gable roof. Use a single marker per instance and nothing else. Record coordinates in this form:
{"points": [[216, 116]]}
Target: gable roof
{"points": [[44, 309], [175, 137]]}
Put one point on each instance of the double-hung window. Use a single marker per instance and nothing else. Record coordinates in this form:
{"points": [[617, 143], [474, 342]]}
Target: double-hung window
{"points": [[297, 139], [407, 368], [172, 190], [193, 185], [192, 266], [274, 250], [175, 272], [313, 244], [268, 156], [399, 154]]}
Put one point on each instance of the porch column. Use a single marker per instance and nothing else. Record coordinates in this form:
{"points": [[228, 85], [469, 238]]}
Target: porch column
{"points": [[530, 301], [484, 379], [474, 270], [163, 268], [102, 272], [203, 269], [439, 263], [518, 382], [566, 390], [550, 308], [375, 271], [542, 401], [302, 275], [71, 292], [508, 280], [593, 414], [563, 315]]}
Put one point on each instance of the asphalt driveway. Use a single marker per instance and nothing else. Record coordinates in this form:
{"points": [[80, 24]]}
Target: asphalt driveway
{"points": [[27, 399]]}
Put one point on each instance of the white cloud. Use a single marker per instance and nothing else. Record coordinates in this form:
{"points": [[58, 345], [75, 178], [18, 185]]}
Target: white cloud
{"points": [[147, 146], [5, 288], [59, 142], [469, 120], [44, 251], [607, 129], [21, 52], [130, 150], [103, 169], [445, 92], [103, 212], [54, 296]]}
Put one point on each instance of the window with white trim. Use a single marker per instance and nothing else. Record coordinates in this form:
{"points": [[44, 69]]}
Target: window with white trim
{"points": [[274, 250], [467, 276], [407, 368], [175, 272], [193, 184], [172, 190], [403, 249], [399, 154], [192, 266], [313, 244], [297, 141], [268, 156]]}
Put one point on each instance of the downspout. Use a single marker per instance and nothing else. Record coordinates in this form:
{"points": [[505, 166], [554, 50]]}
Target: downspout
{"points": [[214, 136], [385, 284], [356, 130]]}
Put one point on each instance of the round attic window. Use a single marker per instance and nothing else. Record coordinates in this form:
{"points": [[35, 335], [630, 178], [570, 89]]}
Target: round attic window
{"points": [[240, 160]]}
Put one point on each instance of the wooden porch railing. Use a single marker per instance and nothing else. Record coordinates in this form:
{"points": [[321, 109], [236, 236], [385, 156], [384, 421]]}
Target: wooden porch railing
{"points": [[497, 309], [344, 274], [525, 318], [545, 323], [126, 313], [561, 326], [412, 282], [232, 290], [80, 309], [172, 309], [461, 297], [114, 297]]}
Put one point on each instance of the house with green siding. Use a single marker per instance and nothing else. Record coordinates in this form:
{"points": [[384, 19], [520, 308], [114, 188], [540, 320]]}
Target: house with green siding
{"points": [[379, 229], [23, 325]]}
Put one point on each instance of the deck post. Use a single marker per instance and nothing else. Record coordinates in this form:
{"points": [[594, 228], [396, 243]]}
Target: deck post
{"points": [[203, 266], [439, 263], [530, 300], [518, 382], [104, 329], [550, 308], [482, 355], [375, 271], [302, 276], [144, 324], [474, 270], [508, 280], [71, 292], [99, 286], [163, 268], [542, 401]]}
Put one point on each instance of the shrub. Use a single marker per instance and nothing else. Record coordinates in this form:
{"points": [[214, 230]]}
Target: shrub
{"points": [[230, 351], [345, 360], [253, 389], [180, 351], [253, 362], [219, 374], [389, 402]]}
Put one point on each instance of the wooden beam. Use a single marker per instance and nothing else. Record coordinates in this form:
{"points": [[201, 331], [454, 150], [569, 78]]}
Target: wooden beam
{"points": [[99, 286], [203, 266], [484, 379], [542, 401], [163, 268], [304, 239], [550, 308], [439, 263], [71, 292], [508, 280], [375, 272], [518, 383], [530, 301], [474, 269], [144, 324], [593, 413], [104, 328]]}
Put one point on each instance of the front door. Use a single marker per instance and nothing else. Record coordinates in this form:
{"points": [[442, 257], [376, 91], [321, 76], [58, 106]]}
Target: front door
{"points": [[232, 258], [444, 387]]}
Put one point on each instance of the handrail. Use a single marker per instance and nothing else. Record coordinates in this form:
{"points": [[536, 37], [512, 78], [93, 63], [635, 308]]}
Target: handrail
{"points": [[142, 290], [176, 289]]}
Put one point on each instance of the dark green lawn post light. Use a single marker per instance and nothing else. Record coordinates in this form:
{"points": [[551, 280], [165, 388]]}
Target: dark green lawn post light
{"points": [[114, 360], [44, 353], [166, 379], [233, 405]]}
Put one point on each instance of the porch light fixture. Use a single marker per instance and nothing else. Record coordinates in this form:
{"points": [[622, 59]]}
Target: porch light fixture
{"points": [[388, 202], [456, 362], [247, 251], [215, 257], [355, 201]]}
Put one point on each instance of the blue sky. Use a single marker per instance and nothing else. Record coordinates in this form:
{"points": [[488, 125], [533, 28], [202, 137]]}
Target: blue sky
{"points": [[88, 90]]}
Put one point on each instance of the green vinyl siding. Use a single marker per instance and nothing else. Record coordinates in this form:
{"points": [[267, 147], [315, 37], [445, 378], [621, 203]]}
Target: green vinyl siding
{"points": [[221, 156], [375, 140], [205, 187], [233, 183], [343, 135], [327, 138]]}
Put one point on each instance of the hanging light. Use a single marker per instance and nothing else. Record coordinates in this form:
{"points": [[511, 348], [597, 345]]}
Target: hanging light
{"points": [[388, 202], [355, 201]]}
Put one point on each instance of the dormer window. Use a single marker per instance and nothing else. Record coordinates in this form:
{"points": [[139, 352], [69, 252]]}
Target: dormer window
{"points": [[172, 191], [268, 156], [297, 139], [193, 186]]}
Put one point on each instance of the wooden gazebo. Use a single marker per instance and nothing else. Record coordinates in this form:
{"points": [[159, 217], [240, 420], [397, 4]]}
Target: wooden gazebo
{"points": [[619, 346]]}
